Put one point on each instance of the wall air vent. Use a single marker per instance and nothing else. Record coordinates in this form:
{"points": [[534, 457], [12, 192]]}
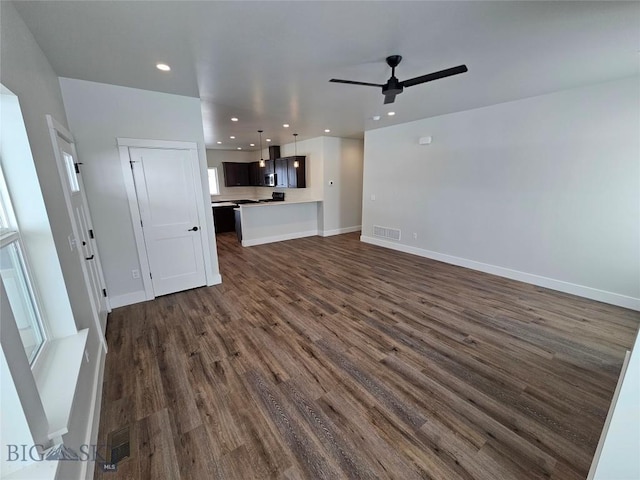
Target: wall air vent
{"points": [[383, 232]]}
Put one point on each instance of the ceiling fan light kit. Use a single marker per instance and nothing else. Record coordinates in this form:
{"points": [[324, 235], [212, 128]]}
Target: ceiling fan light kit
{"points": [[394, 87]]}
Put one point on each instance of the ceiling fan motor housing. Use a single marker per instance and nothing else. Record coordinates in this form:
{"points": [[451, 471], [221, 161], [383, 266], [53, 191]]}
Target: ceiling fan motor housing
{"points": [[392, 87]]}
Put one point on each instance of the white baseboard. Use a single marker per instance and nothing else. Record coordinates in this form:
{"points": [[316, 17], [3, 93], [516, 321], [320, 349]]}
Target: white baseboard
{"points": [[339, 231], [128, 299], [91, 437], [141, 296], [562, 286], [278, 238]]}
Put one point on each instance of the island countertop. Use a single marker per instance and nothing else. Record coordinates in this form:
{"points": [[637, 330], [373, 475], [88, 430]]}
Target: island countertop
{"points": [[284, 202], [261, 202]]}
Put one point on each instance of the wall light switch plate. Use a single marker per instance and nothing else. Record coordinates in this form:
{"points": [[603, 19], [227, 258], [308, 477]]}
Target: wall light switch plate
{"points": [[373, 197]]}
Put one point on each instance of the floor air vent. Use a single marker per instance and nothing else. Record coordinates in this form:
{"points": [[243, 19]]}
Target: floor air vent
{"points": [[120, 445], [383, 232]]}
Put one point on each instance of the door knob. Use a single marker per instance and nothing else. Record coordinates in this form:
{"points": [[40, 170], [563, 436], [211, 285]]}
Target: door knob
{"points": [[194, 229], [89, 258]]}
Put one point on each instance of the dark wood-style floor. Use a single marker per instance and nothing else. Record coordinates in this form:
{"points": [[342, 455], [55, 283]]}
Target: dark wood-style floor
{"points": [[329, 358]]}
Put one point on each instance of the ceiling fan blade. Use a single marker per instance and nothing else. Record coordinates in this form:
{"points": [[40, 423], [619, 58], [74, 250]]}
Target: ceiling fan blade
{"points": [[389, 98], [435, 75], [351, 82]]}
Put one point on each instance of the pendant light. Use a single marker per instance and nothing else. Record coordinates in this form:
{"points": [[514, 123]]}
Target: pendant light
{"points": [[261, 159], [296, 164]]}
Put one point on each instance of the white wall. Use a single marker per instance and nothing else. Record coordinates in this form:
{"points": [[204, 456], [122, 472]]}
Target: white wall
{"points": [[98, 114], [342, 206], [616, 456], [544, 189], [350, 187], [26, 72]]}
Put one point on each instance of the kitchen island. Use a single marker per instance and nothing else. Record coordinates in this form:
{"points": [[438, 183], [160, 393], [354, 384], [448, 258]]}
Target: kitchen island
{"points": [[223, 213], [270, 222], [223, 220]]}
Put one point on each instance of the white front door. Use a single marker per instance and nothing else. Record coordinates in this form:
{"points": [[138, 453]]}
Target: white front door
{"points": [[83, 239], [169, 191]]}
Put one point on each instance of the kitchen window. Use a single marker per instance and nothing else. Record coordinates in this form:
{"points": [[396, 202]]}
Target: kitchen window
{"points": [[214, 188]]}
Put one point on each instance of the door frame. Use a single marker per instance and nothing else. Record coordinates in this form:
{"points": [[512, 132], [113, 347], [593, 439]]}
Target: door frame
{"points": [[56, 129], [124, 144]]}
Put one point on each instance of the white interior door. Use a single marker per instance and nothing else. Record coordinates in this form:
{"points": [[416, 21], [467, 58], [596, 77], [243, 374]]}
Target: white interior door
{"points": [[84, 240], [168, 189]]}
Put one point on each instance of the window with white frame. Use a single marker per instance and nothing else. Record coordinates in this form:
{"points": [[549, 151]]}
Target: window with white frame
{"points": [[70, 169], [14, 273], [214, 188]]}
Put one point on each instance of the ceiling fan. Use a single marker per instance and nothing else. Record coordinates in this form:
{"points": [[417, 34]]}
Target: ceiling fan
{"points": [[393, 86]]}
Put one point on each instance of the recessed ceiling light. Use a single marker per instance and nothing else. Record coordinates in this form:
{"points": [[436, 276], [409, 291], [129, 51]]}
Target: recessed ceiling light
{"points": [[326, 130], [268, 139], [219, 143], [163, 67], [285, 125], [391, 114], [376, 117], [234, 119], [252, 144], [239, 148], [232, 137]]}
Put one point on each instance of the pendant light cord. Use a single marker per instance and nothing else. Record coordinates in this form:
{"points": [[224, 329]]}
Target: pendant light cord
{"points": [[261, 158]]}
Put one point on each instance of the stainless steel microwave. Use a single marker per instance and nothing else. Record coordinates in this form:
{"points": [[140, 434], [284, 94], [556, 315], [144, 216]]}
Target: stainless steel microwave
{"points": [[270, 179]]}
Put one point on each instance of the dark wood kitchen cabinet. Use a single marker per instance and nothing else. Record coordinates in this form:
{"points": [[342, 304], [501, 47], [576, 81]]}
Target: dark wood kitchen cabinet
{"points": [[274, 151], [296, 176], [252, 175], [224, 219], [282, 172], [269, 167], [256, 174], [236, 174]]}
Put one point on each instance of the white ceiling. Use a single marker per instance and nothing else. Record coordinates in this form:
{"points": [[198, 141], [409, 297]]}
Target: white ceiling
{"points": [[269, 63]]}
